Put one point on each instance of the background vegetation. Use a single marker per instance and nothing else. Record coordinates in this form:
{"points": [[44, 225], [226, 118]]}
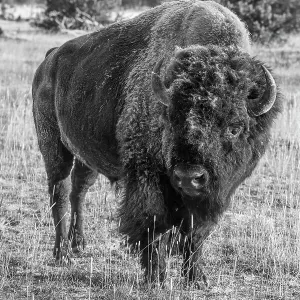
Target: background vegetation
{"points": [[85, 14], [253, 253], [266, 20], [22, 2]]}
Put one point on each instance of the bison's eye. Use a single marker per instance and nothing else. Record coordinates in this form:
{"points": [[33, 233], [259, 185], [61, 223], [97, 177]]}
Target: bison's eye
{"points": [[234, 130], [164, 116]]}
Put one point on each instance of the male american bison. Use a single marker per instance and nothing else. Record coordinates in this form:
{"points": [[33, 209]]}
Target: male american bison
{"points": [[170, 104]]}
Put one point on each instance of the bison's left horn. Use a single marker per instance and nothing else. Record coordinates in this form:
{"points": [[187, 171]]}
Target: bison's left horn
{"points": [[262, 105], [159, 89]]}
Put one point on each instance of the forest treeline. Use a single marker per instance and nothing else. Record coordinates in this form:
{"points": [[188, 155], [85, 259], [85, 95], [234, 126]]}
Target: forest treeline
{"points": [[266, 19]]}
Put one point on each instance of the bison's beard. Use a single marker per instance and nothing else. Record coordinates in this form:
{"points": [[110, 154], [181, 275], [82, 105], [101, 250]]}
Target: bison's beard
{"points": [[206, 203], [205, 206]]}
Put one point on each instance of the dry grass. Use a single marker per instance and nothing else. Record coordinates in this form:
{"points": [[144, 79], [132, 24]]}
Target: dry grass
{"points": [[253, 254]]}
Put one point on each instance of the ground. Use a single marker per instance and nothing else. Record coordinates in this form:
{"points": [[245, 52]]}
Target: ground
{"points": [[252, 254]]}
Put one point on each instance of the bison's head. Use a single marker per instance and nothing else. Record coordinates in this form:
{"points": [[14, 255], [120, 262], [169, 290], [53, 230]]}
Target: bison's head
{"points": [[218, 104]]}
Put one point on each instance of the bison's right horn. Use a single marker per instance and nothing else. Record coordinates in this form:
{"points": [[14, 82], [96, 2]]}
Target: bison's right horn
{"points": [[262, 105], [159, 89]]}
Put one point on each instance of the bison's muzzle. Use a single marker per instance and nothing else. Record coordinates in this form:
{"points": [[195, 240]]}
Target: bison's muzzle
{"points": [[190, 179]]}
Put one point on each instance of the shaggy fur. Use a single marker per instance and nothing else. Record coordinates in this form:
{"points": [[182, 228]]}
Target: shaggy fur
{"points": [[94, 107]]}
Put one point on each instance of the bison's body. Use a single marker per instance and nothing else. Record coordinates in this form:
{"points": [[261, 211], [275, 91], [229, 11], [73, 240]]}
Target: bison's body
{"points": [[178, 159]]}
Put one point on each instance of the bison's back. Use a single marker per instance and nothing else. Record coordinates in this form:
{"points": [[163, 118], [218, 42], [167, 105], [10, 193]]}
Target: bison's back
{"points": [[92, 83]]}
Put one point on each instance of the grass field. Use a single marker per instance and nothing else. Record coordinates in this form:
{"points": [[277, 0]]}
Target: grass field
{"points": [[253, 254]]}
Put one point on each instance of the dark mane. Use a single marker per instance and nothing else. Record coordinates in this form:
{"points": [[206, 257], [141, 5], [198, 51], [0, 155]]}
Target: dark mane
{"points": [[199, 76]]}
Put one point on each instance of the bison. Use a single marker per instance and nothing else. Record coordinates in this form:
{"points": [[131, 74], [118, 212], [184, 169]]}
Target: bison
{"points": [[173, 107]]}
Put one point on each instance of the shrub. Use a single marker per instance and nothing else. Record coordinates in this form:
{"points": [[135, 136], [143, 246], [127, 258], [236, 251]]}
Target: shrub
{"points": [[135, 3], [69, 7], [76, 14], [267, 19]]}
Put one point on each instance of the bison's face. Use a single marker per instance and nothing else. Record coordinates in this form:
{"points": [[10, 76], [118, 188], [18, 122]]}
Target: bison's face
{"points": [[212, 136]]}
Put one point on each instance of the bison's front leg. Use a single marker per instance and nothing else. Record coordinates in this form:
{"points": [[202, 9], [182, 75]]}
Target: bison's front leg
{"points": [[153, 257], [142, 214], [192, 253]]}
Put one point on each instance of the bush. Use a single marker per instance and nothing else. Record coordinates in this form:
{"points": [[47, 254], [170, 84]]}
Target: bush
{"points": [[135, 3], [69, 7], [76, 14], [267, 19]]}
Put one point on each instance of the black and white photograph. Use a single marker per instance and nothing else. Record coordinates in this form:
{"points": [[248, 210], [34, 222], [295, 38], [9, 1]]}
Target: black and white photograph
{"points": [[149, 149]]}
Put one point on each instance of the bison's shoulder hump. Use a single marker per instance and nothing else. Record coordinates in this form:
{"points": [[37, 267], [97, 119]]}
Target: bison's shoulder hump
{"points": [[216, 25]]}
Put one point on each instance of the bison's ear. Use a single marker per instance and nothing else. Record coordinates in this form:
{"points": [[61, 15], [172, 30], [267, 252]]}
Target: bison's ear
{"points": [[158, 87], [263, 104]]}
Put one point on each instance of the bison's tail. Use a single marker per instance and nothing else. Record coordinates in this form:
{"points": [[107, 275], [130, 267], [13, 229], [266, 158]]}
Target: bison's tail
{"points": [[50, 50]]}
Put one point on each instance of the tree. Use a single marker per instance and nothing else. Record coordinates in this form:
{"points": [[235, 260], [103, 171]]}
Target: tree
{"points": [[267, 19]]}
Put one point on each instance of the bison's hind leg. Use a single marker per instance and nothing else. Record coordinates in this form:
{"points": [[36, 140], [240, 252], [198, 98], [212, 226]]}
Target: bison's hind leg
{"points": [[82, 178], [58, 162]]}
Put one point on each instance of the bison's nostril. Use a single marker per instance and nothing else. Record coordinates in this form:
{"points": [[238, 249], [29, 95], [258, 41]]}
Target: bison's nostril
{"points": [[190, 177], [199, 180], [177, 180]]}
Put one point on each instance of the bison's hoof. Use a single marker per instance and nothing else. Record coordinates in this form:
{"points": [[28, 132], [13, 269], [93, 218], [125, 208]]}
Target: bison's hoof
{"points": [[154, 284], [199, 283], [154, 280], [64, 261], [78, 244], [205, 281], [62, 257], [202, 284]]}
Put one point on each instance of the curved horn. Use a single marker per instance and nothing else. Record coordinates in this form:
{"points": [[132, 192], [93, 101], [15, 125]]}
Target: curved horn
{"points": [[262, 105], [159, 89]]}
